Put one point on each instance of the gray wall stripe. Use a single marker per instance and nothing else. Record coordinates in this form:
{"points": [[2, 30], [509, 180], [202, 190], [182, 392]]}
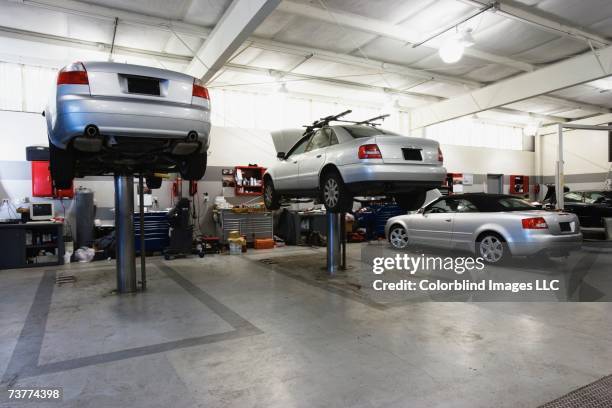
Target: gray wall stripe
{"points": [[21, 170]]}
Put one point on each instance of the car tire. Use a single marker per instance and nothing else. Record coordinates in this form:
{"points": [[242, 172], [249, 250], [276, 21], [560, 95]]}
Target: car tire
{"points": [[398, 237], [61, 164], [153, 182], [492, 247], [412, 201], [271, 196], [193, 167], [334, 194]]}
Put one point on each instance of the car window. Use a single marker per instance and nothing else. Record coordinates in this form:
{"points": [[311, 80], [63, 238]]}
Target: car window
{"points": [[439, 207], [592, 197], [514, 204], [461, 205], [333, 139], [299, 147], [572, 197], [318, 141], [367, 131]]}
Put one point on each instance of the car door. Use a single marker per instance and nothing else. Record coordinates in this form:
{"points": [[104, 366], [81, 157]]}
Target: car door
{"points": [[313, 159], [466, 219], [597, 206], [286, 172], [434, 225]]}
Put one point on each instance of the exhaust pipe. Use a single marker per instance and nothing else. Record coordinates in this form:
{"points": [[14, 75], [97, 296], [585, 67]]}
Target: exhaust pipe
{"points": [[90, 141], [92, 131], [192, 136]]}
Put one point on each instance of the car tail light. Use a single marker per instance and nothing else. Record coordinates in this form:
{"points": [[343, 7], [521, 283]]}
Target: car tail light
{"points": [[199, 90], [440, 155], [73, 74], [369, 151], [534, 223]]}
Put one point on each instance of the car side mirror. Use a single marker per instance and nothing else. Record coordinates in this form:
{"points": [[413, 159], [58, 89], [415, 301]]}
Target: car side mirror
{"points": [[280, 155]]}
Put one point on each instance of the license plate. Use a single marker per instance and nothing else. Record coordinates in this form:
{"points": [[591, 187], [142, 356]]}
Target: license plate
{"points": [[143, 86], [412, 154], [565, 226]]}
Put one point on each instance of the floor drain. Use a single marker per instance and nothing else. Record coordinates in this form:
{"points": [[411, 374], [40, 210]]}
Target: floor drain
{"points": [[65, 279], [268, 261]]}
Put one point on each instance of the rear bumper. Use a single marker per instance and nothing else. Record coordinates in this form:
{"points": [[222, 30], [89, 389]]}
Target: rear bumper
{"points": [[391, 177], [132, 118], [550, 244]]}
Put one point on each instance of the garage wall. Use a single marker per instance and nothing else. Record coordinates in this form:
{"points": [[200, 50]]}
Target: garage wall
{"points": [[586, 158], [483, 161]]}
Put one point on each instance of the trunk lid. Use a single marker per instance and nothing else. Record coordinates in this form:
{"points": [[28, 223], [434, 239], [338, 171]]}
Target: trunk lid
{"points": [[407, 150], [110, 79]]}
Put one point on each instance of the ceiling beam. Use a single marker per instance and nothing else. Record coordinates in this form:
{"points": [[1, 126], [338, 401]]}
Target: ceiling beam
{"points": [[125, 17], [382, 67], [591, 121], [87, 45], [288, 76], [573, 71], [235, 26], [385, 29], [573, 104], [516, 11]]}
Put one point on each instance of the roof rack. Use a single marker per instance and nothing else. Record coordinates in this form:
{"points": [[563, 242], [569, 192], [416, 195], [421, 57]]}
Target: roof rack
{"points": [[317, 124]]}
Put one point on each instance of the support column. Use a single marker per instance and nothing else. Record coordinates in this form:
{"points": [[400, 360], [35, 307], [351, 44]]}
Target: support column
{"points": [[124, 233], [559, 177], [333, 243], [143, 266]]}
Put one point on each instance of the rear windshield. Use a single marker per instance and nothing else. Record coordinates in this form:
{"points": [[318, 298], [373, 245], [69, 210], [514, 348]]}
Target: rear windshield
{"points": [[367, 131]]}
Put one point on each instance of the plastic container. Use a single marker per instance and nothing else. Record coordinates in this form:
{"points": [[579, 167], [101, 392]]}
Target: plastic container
{"points": [[267, 243], [235, 248]]}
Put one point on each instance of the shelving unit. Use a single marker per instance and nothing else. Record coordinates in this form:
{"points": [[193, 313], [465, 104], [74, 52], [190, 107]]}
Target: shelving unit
{"points": [[249, 173], [26, 245]]}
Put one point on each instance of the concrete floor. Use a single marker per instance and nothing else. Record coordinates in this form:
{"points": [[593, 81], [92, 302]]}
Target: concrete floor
{"points": [[231, 331]]}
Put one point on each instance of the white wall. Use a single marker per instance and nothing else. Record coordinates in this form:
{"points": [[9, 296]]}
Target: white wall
{"points": [[585, 156]]}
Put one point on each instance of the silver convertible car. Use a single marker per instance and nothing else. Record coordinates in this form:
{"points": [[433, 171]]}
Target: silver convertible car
{"points": [[334, 163], [106, 117], [490, 225]]}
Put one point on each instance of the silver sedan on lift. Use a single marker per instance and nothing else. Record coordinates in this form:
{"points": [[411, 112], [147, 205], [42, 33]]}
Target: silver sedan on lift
{"points": [[492, 226], [334, 163]]}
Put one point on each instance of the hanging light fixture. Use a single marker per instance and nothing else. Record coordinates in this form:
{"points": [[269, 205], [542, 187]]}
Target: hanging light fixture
{"points": [[452, 49]]}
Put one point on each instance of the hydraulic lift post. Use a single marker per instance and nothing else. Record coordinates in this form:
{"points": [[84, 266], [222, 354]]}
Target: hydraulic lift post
{"points": [[335, 259], [124, 233]]}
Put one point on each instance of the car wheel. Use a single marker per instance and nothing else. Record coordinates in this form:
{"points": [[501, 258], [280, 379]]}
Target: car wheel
{"points": [[153, 182], [193, 167], [492, 248], [271, 197], [61, 163], [412, 201], [334, 194], [398, 237]]}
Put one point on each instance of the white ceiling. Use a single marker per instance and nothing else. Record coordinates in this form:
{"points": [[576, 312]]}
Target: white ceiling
{"points": [[54, 33]]}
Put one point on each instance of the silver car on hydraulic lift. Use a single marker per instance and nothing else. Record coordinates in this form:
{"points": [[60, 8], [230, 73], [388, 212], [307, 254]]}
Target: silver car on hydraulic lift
{"points": [[334, 163], [105, 117], [492, 226]]}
